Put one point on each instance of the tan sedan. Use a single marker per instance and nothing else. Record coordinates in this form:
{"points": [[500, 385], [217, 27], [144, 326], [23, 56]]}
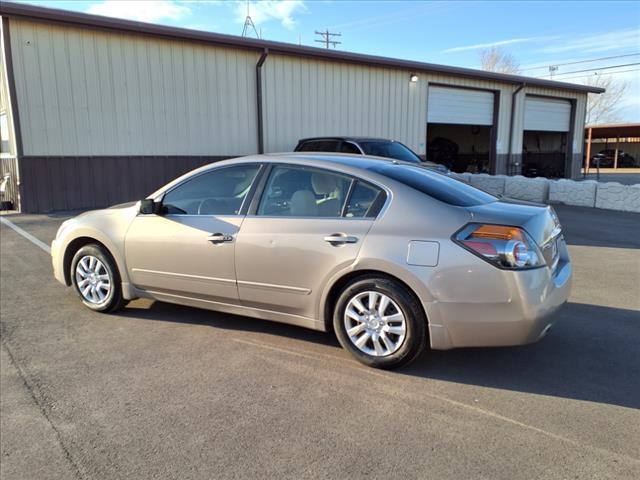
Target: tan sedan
{"points": [[391, 256]]}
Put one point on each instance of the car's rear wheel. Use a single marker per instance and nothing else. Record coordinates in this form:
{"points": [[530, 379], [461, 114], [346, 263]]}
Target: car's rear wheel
{"points": [[96, 279], [380, 322]]}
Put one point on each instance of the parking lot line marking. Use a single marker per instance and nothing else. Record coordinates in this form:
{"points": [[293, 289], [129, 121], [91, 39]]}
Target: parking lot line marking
{"points": [[26, 235], [466, 406]]}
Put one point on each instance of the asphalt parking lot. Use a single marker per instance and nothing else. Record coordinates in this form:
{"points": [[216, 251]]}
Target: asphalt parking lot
{"points": [[162, 391]]}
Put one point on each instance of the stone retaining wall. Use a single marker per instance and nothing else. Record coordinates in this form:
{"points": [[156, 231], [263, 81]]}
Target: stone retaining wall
{"points": [[587, 193]]}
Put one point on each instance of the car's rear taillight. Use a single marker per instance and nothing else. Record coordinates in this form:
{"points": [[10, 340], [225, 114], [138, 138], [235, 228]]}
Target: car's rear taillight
{"points": [[502, 245]]}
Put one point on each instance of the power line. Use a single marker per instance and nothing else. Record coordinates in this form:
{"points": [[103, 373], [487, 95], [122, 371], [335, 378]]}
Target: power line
{"points": [[601, 74], [581, 61], [597, 69], [326, 38]]}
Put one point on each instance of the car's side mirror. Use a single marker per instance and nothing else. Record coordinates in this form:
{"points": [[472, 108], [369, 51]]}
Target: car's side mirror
{"points": [[148, 206]]}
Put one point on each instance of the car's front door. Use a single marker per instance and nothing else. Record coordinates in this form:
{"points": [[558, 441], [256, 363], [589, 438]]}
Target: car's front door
{"points": [[309, 224], [188, 249]]}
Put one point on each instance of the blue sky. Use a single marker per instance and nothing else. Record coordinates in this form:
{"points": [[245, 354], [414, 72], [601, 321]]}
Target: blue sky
{"points": [[537, 34]]}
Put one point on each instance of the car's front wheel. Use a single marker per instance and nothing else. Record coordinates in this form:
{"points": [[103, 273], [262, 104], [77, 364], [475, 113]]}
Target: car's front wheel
{"points": [[380, 322], [96, 279]]}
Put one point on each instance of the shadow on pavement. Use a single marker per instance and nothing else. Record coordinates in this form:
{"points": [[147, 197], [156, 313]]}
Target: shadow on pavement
{"points": [[599, 228], [591, 353]]}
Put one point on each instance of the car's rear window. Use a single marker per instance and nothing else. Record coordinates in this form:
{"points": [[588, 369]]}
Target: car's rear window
{"points": [[436, 185], [389, 150]]}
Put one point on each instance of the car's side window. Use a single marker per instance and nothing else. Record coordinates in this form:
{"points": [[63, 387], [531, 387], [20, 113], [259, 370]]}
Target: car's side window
{"points": [[218, 192], [365, 201], [297, 191], [348, 147]]}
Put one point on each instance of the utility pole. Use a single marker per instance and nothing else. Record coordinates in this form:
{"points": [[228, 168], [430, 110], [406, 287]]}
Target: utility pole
{"points": [[248, 25], [327, 38], [552, 70]]}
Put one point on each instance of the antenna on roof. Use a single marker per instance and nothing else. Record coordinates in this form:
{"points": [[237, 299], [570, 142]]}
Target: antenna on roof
{"points": [[249, 25]]}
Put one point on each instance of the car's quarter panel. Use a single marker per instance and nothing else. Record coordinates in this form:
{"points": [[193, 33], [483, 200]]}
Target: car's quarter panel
{"points": [[284, 263], [410, 218], [173, 254], [108, 227]]}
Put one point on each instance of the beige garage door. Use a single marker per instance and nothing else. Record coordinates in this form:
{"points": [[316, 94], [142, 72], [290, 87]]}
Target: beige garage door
{"points": [[547, 114], [459, 106]]}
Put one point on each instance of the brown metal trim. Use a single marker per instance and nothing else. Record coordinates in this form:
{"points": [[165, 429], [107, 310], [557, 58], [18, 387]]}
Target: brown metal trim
{"points": [[568, 166], [513, 112], [548, 97], [94, 21], [462, 87], [493, 152], [260, 119]]}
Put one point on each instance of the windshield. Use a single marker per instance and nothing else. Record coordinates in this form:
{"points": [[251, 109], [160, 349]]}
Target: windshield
{"points": [[389, 150], [436, 185]]}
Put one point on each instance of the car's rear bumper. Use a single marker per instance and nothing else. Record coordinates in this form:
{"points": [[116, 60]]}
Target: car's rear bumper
{"points": [[524, 318]]}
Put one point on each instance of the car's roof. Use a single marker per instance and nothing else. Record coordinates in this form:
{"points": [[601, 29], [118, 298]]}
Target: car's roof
{"points": [[350, 139], [364, 162]]}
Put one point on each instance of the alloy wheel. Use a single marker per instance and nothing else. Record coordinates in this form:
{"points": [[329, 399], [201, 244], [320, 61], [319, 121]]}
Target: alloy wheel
{"points": [[93, 280], [374, 323]]}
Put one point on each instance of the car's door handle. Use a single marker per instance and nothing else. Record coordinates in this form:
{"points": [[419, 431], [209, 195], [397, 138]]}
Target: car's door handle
{"points": [[340, 238], [219, 238]]}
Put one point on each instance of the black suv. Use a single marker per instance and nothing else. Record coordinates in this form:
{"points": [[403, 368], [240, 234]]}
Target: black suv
{"points": [[377, 147]]}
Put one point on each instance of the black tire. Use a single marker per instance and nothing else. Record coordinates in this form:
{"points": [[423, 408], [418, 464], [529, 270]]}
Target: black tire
{"points": [[415, 339], [113, 300]]}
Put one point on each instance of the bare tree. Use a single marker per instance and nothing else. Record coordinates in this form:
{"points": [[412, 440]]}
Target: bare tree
{"points": [[495, 59], [604, 107]]}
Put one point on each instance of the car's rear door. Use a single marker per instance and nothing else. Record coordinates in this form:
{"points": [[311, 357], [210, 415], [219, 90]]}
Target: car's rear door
{"points": [[308, 224], [188, 250]]}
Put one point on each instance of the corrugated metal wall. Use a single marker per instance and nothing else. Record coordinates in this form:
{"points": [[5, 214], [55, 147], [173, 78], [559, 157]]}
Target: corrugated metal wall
{"points": [[307, 97], [89, 92]]}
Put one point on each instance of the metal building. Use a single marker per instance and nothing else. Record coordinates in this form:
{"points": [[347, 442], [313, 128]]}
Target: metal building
{"points": [[101, 110]]}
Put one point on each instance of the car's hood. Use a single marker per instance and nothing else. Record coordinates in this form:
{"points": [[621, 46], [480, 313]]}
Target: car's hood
{"points": [[120, 209], [540, 221]]}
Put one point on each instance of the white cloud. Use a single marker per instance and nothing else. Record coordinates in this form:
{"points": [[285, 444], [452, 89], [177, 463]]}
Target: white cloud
{"points": [[479, 46], [141, 10], [282, 11], [597, 42]]}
